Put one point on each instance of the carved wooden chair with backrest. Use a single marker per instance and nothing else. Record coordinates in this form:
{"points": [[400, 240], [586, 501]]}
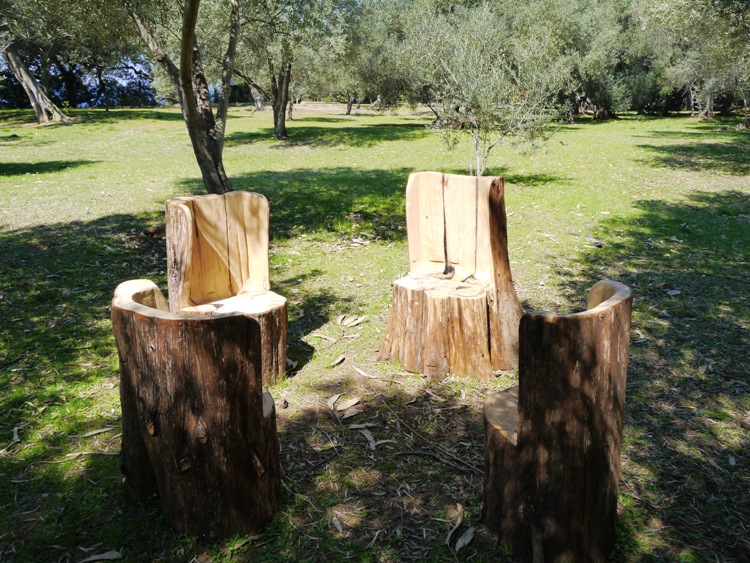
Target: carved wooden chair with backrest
{"points": [[217, 262], [552, 444], [456, 311]]}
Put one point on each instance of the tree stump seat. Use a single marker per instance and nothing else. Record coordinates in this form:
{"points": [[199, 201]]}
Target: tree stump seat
{"points": [[552, 443], [198, 427], [456, 312], [217, 262]]}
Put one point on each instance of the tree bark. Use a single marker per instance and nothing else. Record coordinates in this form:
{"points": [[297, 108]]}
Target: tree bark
{"points": [[44, 109], [280, 93], [197, 424], [206, 133], [552, 445], [350, 99]]}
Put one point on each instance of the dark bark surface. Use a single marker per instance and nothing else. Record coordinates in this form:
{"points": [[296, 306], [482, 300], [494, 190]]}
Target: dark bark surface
{"points": [[552, 461], [197, 425]]}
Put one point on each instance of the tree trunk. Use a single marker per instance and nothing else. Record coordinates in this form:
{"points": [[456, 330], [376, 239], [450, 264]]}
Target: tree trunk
{"points": [[290, 113], [197, 424], [350, 99], [280, 93], [552, 445], [206, 133], [43, 107]]}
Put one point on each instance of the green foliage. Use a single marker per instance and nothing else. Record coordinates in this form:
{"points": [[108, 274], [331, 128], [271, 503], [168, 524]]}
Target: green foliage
{"points": [[490, 72]]}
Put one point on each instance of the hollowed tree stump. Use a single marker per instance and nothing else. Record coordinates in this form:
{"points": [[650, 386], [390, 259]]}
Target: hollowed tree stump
{"points": [[217, 263], [456, 312], [552, 444], [197, 425]]}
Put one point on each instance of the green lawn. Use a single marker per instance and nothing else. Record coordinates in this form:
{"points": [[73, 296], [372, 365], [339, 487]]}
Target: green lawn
{"points": [[81, 209]]}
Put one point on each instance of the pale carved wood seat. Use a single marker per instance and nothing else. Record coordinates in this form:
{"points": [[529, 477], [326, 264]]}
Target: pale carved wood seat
{"points": [[456, 312], [552, 443], [197, 425], [217, 262]]}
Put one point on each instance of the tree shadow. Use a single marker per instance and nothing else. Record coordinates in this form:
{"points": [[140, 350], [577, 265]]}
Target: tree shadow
{"points": [[20, 168], [705, 151], [57, 361], [686, 456], [307, 200], [360, 136]]}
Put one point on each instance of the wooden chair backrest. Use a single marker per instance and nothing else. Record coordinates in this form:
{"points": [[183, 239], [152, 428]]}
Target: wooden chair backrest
{"points": [[217, 247], [448, 224]]}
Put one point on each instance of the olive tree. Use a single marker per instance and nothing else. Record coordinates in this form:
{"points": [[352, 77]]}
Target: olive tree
{"points": [[183, 62], [485, 72]]}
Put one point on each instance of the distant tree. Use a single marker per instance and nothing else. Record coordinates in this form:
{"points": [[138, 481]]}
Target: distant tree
{"points": [[25, 24], [704, 48]]}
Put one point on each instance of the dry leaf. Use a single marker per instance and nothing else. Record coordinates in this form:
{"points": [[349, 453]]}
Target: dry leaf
{"points": [[339, 360], [325, 337], [436, 397], [732, 461], [337, 524], [340, 319], [291, 363], [673, 292], [350, 413], [354, 321], [360, 426], [94, 432], [363, 373], [459, 519], [108, 556], [465, 539], [372, 541], [332, 400], [349, 403], [379, 442], [370, 439]]}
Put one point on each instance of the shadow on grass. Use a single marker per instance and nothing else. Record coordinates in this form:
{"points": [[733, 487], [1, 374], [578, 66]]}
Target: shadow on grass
{"points": [[331, 199], [360, 136], [724, 149], [59, 381], [686, 460], [20, 168]]}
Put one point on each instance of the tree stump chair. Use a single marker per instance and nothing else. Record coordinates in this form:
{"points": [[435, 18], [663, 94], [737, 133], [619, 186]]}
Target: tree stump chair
{"points": [[552, 444], [217, 262], [197, 425], [456, 311]]}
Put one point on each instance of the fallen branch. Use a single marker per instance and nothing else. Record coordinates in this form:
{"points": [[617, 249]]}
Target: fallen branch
{"points": [[440, 447]]}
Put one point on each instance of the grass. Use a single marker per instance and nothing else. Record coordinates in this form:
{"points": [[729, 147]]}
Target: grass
{"points": [[81, 208]]}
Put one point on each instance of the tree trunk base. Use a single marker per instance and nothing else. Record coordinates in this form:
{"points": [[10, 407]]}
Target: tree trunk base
{"points": [[197, 425], [439, 327]]}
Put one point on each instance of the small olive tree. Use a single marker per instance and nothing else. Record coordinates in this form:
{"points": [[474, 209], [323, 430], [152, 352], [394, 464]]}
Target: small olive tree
{"points": [[487, 72]]}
